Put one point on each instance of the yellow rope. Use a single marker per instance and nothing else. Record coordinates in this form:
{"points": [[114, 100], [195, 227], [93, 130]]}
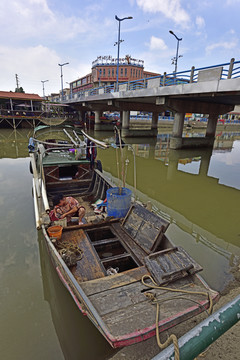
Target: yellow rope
{"points": [[172, 338], [156, 286]]}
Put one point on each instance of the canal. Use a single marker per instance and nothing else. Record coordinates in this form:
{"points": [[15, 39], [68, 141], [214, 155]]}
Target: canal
{"points": [[198, 191]]}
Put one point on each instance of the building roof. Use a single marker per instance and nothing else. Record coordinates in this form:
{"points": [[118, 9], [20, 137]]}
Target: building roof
{"points": [[20, 96]]}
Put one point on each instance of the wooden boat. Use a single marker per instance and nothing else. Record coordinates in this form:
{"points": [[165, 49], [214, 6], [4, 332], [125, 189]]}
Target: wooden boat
{"points": [[112, 281]]}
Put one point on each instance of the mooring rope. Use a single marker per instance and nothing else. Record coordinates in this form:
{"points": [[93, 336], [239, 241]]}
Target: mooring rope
{"points": [[172, 338]]}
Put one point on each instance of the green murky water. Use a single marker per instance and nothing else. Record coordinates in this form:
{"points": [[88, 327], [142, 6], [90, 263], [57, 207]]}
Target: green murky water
{"points": [[198, 191]]}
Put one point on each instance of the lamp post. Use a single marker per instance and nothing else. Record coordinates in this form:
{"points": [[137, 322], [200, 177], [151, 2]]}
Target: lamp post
{"points": [[99, 77], [43, 81], [70, 86], [119, 41], [61, 65], [175, 60]]}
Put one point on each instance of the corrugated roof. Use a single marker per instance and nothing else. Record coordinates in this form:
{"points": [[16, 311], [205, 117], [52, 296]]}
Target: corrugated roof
{"points": [[19, 96]]}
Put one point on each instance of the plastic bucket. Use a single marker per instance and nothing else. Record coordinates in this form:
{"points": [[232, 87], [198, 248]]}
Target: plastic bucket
{"points": [[55, 231], [118, 205]]}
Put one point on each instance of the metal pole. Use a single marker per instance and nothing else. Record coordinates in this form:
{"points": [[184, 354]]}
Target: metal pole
{"points": [[61, 65], [99, 83], [118, 44], [204, 334], [62, 81], [176, 57], [43, 81], [119, 22]]}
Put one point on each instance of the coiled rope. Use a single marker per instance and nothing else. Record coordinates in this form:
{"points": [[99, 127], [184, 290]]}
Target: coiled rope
{"points": [[172, 338]]}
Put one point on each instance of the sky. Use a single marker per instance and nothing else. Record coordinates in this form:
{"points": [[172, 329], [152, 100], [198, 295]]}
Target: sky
{"points": [[37, 35]]}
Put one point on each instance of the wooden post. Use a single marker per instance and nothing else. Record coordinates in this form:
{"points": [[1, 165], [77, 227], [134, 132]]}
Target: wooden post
{"points": [[230, 68]]}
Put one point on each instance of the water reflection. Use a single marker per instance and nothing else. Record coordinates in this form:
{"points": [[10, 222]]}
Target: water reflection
{"points": [[197, 191], [13, 143], [197, 196]]}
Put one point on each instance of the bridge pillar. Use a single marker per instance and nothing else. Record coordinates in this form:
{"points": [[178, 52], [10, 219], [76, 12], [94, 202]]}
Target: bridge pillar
{"points": [[97, 124], [120, 117], [125, 119], [211, 125], [178, 124], [176, 139], [154, 124], [97, 117]]}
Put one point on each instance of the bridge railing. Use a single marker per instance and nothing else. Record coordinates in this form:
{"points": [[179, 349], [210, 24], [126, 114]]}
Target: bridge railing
{"points": [[229, 70]]}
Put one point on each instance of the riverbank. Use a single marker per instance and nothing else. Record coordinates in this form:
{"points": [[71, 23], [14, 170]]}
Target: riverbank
{"points": [[227, 347]]}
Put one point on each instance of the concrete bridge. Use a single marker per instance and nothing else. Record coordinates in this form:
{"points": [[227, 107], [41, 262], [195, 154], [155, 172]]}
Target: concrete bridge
{"points": [[211, 90]]}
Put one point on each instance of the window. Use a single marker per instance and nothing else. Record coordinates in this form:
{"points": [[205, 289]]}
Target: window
{"points": [[112, 72], [109, 72], [133, 72], [125, 72], [104, 73], [78, 82], [121, 71]]}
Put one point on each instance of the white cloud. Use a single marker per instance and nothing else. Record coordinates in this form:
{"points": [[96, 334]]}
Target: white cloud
{"points": [[172, 9], [200, 22], [26, 19], [157, 44], [227, 45], [33, 64]]}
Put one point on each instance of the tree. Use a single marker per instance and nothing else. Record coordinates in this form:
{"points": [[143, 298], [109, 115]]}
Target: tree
{"points": [[19, 90]]}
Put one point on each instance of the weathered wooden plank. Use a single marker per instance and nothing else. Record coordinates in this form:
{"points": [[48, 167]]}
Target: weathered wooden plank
{"points": [[144, 227], [138, 253], [92, 226], [113, 281], [170, 264], [89, 267], [197, 267], [114, 299], [143, 314]]}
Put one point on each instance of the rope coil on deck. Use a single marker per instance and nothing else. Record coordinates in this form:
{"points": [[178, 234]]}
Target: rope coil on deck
{"points": [[69, 252], [152, 297]]}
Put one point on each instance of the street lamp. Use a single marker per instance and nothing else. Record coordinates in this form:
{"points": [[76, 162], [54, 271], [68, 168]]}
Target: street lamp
{"points": [[70, 86], [175, 60], [99, 78], [43, 81], [61, 65], [119, 41]]}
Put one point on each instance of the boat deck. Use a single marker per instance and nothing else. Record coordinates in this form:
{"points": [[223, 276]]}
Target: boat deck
{"points": [[121, 302]]}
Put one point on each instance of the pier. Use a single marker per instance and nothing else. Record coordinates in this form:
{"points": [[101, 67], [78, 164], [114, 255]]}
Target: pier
{"points": [[19, 109]]}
